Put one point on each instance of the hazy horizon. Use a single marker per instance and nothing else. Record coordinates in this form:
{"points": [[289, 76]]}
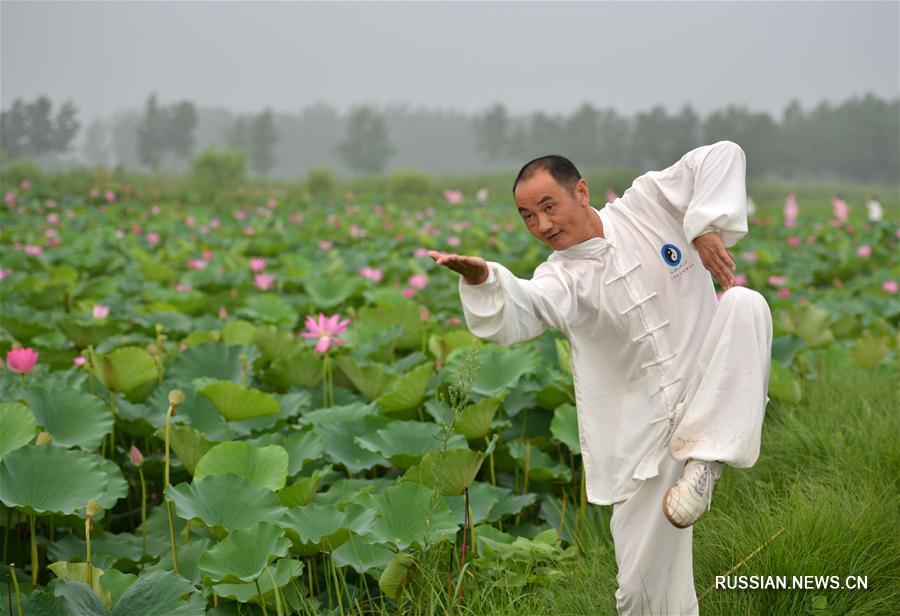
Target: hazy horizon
{"points": [[109, 56]]}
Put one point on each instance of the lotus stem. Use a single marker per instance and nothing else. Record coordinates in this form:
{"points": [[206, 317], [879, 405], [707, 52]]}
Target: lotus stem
{"points": [[15, 581], [262, 603], [6, 533], [337, 587], [112, 432], [275, 590], [527, 463], [23, 379], [491, 464], [87, 541], [176, 397], [243, 369], [143, 511], [34, 552]]}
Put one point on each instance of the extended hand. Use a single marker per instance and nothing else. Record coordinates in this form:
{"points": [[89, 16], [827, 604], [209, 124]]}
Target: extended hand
{"points": [[715, 258], [473, 269]]}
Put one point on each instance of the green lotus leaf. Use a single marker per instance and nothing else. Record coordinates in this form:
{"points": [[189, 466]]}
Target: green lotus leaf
{"points": [[46, 479], [408, 391], [22, 322], [370, 378], [441, 345], [245, 553], [303, 491], [341, 448], [564, 355], [301, 446], [283, 571], [868, 350], [330, 291], [78, 599], [448, 472], [402, 514], [107, 549], [499, 367], [188, 559], [115, 582], [812, 326], [188, 443], [474, 421], [277, 343], [218, 361], [269, 308], [160, 593], [73, 417], [315, 528], [394, 309], [153, 268], [541, 467], [564, 427], [362, 555], [783, 385], [396, 575], [405, 442], [265, 466], [489, 503], [301, 368], [235, 402], [355, 411], [78, 572], [17, 426], [129, 370], [224, 502], [86, 332], [239, 332]]}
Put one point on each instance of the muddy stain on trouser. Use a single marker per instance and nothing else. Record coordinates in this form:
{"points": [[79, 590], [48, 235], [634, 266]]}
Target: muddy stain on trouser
{"points": [[654, 558]]}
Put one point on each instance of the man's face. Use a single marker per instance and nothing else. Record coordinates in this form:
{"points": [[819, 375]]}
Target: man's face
{"points": [[551, 213]]}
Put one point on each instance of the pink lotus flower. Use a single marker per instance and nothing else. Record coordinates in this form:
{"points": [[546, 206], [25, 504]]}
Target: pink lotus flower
{"points": [[794, 241], [79, 361], [257, 264], [249, 230], [791, 210], [864, 251], [740, 280], [418, 281], [295, 218], [153, 238], [190, 221], [100, 311], [784, 292], [154, 209], [137, 458], [777, 281], [371, 273], [110, 196], [240, 215], [453, 240], [223, 314], [890, 286], [810, 239], [4, 272], [214, 223], [482, 195], [263, 281], [94, 193], [424, 314], [840, 208], [325, 331], [196, 264], [136, 229], [408, 292], [752, 257], [452, 195], [183, 288], [25, 184], [453, 321], [21, 360], [53, 218], [33, 250], [207, 255], [325, 244], [10, 198], [421, 252]]}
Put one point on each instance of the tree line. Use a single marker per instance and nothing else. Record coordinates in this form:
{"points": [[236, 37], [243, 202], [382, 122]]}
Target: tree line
{"points": [[856, 140]]}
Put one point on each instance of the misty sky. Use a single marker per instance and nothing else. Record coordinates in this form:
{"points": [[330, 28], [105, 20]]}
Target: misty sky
{"points": [[108, 56]]}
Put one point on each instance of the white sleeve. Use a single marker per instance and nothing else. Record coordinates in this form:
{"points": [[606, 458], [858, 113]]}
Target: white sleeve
{"points": [[506, 309], [706, 190]]}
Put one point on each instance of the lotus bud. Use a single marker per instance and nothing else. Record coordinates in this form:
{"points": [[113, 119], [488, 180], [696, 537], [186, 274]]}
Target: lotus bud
{"points": [[44, 438], [176, 397], [158, 327], [93, 507], [137, 458], [152, 349]]}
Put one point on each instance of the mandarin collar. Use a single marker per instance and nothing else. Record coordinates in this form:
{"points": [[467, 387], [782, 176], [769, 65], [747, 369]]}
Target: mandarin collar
{"points": [[590, 247]]}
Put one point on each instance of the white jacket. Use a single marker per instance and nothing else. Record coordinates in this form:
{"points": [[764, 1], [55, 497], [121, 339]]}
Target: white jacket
{"points": [[634, 306]]}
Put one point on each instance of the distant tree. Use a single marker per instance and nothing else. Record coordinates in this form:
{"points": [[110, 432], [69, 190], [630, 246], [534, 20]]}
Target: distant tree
{"points": [[491, 130], [151, 135], [263, 137], [582, 136], [756, 133], [95, 145], [366, 146], [29, 129], [180, 125]]}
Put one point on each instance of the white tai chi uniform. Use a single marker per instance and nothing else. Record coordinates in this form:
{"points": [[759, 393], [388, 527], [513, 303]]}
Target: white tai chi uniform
{"points": [[663, 371]]}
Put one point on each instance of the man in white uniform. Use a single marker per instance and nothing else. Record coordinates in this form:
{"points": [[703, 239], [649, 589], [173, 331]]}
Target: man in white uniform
{"points": [[670, 382]]}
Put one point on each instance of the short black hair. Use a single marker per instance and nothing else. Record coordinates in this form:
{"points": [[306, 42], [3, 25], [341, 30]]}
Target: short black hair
{"points": [[561, 168]]}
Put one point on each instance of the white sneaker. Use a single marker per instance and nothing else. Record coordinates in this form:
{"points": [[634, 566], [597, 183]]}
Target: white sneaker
{"points": [[691, 495]]}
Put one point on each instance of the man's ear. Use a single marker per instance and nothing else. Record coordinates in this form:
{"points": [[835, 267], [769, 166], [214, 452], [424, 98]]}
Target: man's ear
{"points": [[583, 193]]}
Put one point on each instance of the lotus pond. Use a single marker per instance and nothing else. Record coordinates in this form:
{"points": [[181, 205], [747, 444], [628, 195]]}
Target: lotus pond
{"points": [[272, 406]]}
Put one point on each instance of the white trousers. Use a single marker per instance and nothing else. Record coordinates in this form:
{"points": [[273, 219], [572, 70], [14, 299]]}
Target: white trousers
{"points": [[723, 410]]}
